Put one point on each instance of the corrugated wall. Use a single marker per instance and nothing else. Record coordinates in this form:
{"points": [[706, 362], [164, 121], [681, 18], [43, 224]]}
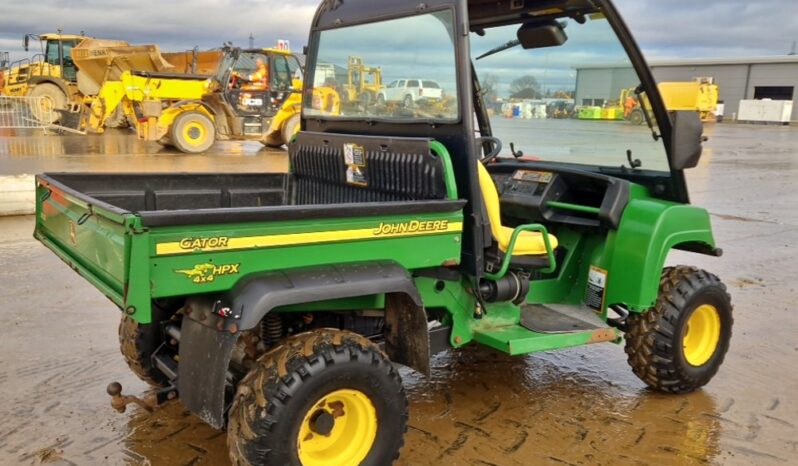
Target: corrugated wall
{"points": [[603, 83], [736, 82]]}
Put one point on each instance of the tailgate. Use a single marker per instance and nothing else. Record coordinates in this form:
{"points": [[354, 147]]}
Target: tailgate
{"points": [[88, 237]]}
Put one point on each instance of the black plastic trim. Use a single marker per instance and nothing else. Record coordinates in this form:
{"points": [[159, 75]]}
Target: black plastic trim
{"points": [[169, 75], [295, 212]]}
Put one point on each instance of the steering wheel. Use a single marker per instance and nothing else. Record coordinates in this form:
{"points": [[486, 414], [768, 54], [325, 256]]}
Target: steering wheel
{"points": [[497, 148]]}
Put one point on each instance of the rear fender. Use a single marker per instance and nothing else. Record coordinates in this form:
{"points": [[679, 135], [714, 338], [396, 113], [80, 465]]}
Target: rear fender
{"points": [[212, 324]]}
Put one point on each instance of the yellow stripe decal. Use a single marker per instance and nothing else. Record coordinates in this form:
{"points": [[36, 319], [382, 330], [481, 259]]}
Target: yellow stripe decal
{"points": [[383, 230]]}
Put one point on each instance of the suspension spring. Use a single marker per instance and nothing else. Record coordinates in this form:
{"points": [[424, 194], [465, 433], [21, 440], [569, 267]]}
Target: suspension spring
{"points": [[271, 328]]}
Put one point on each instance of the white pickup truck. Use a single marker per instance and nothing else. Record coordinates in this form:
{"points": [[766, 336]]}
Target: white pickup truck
{"points": [[410, 91]]}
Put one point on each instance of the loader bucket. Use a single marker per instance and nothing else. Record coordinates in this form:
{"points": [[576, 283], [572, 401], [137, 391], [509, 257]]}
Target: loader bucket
{"points": [[101, 60]]}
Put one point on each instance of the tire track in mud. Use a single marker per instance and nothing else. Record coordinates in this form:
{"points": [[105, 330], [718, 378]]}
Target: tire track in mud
{"points": [[53, 390], [555, 412]]}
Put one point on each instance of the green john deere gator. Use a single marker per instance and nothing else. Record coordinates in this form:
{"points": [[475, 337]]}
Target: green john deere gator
{"points": [[275, 304]]}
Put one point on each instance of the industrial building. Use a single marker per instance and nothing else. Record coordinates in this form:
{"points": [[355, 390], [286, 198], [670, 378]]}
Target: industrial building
{"points": [[773, 78]]}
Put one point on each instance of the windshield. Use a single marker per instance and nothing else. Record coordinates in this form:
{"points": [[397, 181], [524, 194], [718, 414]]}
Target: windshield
{"points": [[572, 103], [285, 71], [376, 68]]}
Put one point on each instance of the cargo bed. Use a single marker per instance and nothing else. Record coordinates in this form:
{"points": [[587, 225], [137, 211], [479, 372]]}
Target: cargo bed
{"points": [[142, 236]]}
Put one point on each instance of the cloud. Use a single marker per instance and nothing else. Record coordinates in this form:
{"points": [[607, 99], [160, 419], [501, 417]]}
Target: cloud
{"points": [[174, 25], [712, 28], [675, 28], [670, 29]]}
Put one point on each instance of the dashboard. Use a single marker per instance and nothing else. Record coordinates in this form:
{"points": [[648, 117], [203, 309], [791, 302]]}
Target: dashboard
{"points": [[558, 195]]}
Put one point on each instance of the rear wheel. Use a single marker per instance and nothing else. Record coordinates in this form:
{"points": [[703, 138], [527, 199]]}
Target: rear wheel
{"points": [[138, 342], [380, 99], [636, 117], [322, 398], [50, 99], [679, 344], [408, 101], [192, 132]]}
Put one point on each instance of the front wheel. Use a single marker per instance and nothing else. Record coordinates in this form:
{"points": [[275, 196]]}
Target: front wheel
{"points": [[322, 398], [290, 128], [192, 132], [50, 99], [679, 344]]}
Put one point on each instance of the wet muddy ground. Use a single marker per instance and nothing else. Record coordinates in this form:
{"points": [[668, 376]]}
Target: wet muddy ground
{"points": [[58, 347]]}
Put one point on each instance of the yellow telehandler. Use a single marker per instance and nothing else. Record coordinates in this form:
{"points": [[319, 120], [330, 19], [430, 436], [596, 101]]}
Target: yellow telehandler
{"points": [[255, 94]]}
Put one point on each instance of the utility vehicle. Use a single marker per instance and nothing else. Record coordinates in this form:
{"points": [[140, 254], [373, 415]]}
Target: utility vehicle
{"points": [[276, 305]]}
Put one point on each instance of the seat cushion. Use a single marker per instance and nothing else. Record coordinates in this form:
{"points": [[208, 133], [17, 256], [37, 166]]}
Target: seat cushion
{"points": [[528, 242]]}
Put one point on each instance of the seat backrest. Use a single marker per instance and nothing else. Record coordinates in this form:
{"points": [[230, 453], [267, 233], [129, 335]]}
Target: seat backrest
{"points": [[490, 196], [383, 169]]}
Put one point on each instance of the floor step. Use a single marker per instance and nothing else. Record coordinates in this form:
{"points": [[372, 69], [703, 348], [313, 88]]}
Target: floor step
{"points": [[544, 328], [560, 318]]}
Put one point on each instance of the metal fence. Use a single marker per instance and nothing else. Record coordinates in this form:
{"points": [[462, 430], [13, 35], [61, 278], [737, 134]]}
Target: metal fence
{"points": [[26, 112]]}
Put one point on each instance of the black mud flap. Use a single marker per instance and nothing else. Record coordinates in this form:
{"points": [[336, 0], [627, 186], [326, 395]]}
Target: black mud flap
{"points": [[406, 335], [212, 323], [204, 357]]}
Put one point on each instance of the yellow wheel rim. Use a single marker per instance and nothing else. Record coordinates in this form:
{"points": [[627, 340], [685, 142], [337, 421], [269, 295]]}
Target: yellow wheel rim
{"points": [[47, 104], [338, 430], [701, 334], [194, 133]]}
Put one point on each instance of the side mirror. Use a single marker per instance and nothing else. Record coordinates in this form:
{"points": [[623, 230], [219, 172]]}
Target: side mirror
{"points": [[541, 34], [25, 42], [686, 139]]}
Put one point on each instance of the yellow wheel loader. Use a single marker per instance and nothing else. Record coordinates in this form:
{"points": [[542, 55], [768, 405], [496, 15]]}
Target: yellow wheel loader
{"points": [[50, 74], [254, 95]]}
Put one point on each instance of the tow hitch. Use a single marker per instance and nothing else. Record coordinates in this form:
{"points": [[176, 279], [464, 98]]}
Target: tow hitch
{"points": [[119, 402]]}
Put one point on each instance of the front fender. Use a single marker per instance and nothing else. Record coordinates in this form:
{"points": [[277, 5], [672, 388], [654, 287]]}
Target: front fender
{"points": [[649, 229], [292, 106], [34, 80]]}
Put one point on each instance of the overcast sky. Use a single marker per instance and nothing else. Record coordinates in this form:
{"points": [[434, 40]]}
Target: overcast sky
{"points": [[664, 28]]}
